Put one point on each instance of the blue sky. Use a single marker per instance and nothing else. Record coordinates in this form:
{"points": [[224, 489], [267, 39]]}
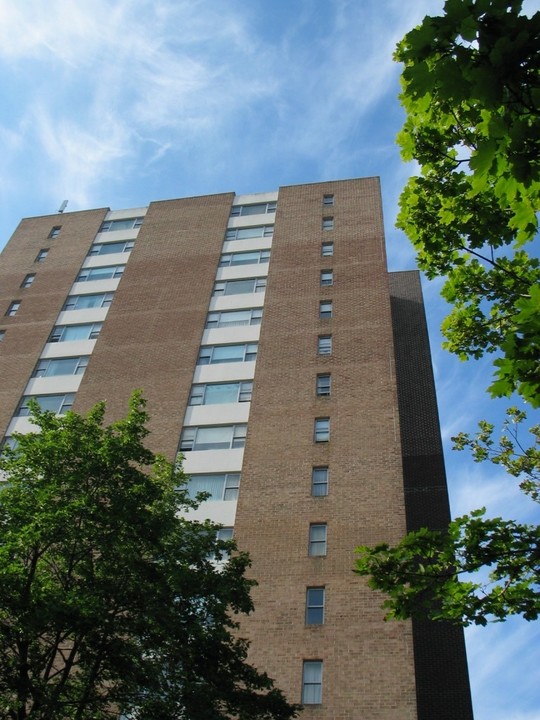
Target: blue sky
{"points": [[117, 103]]}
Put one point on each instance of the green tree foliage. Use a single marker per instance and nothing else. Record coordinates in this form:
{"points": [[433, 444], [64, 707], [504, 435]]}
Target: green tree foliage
{"points": [[434, 573], [471, 91], [109, 600]]}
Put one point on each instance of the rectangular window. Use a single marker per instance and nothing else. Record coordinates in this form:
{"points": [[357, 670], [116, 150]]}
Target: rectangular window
{"points": [[83, 302], [239, 287], [232, 318], [218, 393], [127, 224], [315, 606], [55, 231], [244, 258], [324, 345], [13, 308], [221, 437], [328, 223], [325, 309], [323, 385], [257, 231], [255, 209], [58, 404], [111, 248], [319, 481], [221, 486], [2, 335], [100, 273], [322, 430], [327, 249], [312, 682], [42, 254], [67, 333], [61, 366], [328, 200], [28, 280], [327, 277], [317, 539], [213, 354]]}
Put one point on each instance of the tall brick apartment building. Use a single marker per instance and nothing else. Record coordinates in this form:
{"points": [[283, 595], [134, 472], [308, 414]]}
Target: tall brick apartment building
{"points": [[293, 371]]}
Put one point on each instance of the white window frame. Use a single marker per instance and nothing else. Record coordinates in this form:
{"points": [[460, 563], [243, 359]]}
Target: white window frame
{"points": [[242, 210], [328, 223], [58, 332], [208, 351], [189, 443], [327, 278], [312, 690], [240, 233], [323, 385], [66, 401], [326, 310], [42, 254], [229, 490], [318, 546], [228, 287], [43, 365], [321, 432], [327, 249], [315, 606], [28, 280], [72, 301], [13, 308], [218, 319], [105, 248], [324, 345], [199, 390], [123, 224], [227, 259]]}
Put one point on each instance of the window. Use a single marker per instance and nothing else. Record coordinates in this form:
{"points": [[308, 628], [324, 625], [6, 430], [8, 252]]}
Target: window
{"points": [[212, 354], [83, 302], [323, 385], [222, 486], [110, 248], [325, 309], [328, 223], [327, 277], [127, 224], [244, 258], [256, 209], [312, 682], [327, 249], [225, 533], [324, 344], [100, 273], [322, 429], [2, 335], [218, 393], [222, 437], [55, 231], [58, 404], [317, 539], [239, 287], [28, 280], [42, 254], [61, 366], [249, 232], [13, 308], [66, 333], [234, 318], [319, 481], [315, 606], [328, 200]]}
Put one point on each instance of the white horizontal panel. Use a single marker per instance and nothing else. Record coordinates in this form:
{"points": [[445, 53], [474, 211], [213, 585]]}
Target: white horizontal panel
{"points": [[76, 317], [237, 272], [251, 220], [21, 425], [220, 414], [222, 512], [117, 235], [237, 302], [71, 348], [93, 261], [223, 372], [94, 286], [213, 461], [254, 198], [128, 213], [260, 243], [53, 385], [231, 335]]}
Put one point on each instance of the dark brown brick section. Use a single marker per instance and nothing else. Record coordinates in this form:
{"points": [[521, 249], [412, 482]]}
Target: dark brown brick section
{"points": [[153, 330], [28, 331], [439, 649], [368, 665]]}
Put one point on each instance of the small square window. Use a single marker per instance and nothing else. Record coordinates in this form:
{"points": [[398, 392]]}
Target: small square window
{"points": [[327, 249], [323, 385], [315, 606], [319, 481], [325, 309], [328, 223], [328, 200], [28, 280], [13, 308], [327, 277], [317, 539], [55, 231], [322, 430], [42, 254], [324, 345], [312, 682]]}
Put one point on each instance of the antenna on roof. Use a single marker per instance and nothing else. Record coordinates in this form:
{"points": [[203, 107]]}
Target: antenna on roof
{"points": [[63, 206]]}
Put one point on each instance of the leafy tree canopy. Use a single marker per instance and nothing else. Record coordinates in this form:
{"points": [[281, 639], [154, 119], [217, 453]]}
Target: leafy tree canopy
{"points": [[110, 600], [471, 91]]}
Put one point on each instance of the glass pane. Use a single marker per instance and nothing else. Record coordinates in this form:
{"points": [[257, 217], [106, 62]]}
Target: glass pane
{"points": [[244, 233], [213, 438], [254, 209], [228, 353], [66, 366], [238, 317], [50, 402], [101, 273], [236, 287], [89, 301], [245, 258], [77, 332], [318, 533], [109, 248], [221, 393], [206, 483]]}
